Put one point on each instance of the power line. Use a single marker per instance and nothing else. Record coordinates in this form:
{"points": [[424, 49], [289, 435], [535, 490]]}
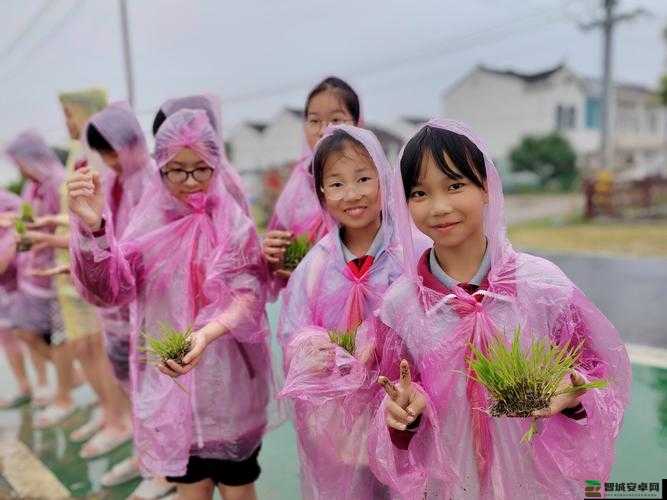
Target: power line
{"points": [[42, 42], [447, 46], [32, 22]]}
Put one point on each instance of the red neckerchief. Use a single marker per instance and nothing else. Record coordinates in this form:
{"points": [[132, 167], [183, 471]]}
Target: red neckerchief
{"points": [[360, 266]]}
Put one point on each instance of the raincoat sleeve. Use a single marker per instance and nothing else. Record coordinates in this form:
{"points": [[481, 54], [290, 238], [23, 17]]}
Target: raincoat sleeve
{"points": [[404, 459], [104, 273], [297, 312], [584, 449], [317, 370], [235, 286]]}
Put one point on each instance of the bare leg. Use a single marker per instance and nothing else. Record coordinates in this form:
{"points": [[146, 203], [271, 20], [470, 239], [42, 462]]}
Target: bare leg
{"points": [[62, 360], [245, 492], [202, 490], [14, 353]]}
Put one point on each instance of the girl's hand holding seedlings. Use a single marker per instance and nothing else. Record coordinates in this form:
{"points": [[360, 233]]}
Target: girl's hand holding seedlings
{"points": [[39, 240], [53, 271], [198, 342], [564, 401], [48, 220], [273, 249], [321, 355], [85, 197], [407, 401]]}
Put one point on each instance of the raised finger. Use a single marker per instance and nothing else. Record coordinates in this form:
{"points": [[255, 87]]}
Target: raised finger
{"points": [[389, 388], [405, 377]]}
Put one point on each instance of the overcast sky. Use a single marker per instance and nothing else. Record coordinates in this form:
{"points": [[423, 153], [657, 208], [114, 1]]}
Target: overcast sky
{"points": [[261, 55]]}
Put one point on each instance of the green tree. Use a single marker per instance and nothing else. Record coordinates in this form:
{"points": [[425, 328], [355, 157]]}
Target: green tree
{"points": [[550, 156]]}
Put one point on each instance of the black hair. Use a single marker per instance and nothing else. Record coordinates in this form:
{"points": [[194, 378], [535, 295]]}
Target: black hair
{"points": [[345, 92], [159, 119], [332, 144], [97, 141], [436, 142]]}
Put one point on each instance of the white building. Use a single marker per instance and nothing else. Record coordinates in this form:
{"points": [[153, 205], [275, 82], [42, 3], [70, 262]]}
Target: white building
{"points": [[503, 106], [255, 148]]}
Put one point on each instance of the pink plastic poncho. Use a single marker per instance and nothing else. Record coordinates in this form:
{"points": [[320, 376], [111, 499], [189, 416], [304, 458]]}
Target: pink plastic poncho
{"points": [[9, 202], [41, 191], [123, 190], [211, 104], [333, 408], [185, 264], [524, 291]]}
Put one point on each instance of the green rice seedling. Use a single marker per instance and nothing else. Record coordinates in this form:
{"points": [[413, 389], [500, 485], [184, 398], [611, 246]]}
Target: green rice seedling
{"points": [[345, 339], [24, 244], [172, 344], [26, 214], [296, 251], [522, 382]]}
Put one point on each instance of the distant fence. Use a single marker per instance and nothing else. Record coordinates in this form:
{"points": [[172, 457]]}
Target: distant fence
{"points": [[640, 198]]}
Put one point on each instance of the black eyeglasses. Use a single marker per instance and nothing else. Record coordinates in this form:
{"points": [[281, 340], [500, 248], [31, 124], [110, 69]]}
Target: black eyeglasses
{"points": [[178, 176]]}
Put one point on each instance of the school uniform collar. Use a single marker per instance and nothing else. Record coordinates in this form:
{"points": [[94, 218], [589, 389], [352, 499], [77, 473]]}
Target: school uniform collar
{"points": [[373, 250], [449, 282]]}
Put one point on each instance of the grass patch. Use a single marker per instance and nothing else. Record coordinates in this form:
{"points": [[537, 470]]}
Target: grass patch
{"points": [[574, 234]]}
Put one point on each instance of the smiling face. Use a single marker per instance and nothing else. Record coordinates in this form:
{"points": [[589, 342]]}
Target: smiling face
{"points": [[351, 188], [186, 174], [324, 108], [449, 211]]}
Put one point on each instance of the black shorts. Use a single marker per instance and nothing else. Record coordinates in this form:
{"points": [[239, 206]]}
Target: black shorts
{"points": [[227, 472]]}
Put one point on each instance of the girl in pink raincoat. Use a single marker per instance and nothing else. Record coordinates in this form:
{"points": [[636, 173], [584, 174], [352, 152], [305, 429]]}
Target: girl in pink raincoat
{"points": [[297, 211], [9, 207], [434, 438], [211, 104], [335, 288], [116, 136], [189, 258]]}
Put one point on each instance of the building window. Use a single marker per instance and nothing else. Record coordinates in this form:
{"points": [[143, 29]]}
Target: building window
{"points": [[593, 112], [566, 117]]}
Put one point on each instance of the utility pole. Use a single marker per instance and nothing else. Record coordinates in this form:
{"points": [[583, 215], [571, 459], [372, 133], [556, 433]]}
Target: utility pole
{"points": [[607, 25], [127, 53]]}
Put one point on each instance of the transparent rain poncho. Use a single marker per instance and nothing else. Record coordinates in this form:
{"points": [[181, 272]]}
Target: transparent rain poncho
{"points": [[185, 264], [42, 193], [458, 434], [333, 407], [9, 202], [123, 191]]}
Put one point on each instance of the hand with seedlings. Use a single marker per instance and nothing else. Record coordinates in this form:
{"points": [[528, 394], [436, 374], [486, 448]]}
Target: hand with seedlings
{"points": [[198, 341], [565, 398], [49, 220], [273, 248], [85, 197], [321, 355], [407, 401], [53, 271]]}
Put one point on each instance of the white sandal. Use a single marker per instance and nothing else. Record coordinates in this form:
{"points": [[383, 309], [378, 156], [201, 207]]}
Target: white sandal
{"points": [[152, 489], [103, 442], [123, 472], [42, 396], [87, 430], [53, 415]]}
